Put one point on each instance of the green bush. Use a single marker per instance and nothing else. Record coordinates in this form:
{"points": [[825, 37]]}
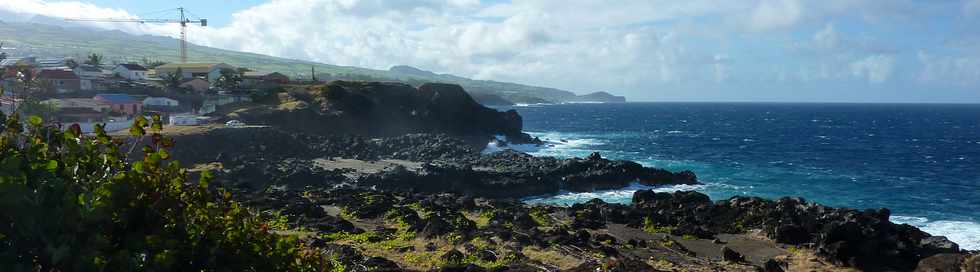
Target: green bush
{"points": [[70, 202]]}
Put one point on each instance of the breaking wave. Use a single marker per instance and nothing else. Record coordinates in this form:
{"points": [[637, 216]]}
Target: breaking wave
{"points": [[966, 234]]}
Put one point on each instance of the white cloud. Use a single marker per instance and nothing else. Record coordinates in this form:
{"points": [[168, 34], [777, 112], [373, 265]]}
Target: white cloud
{"points": [[949, 70], [74, 9], [876, 68], [630, 46], [826, 39], [775, 14], [722, 67]]}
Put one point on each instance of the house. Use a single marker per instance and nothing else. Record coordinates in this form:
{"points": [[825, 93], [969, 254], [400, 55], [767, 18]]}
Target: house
{"points": [[130, 71], [121, 103], [90, 75], [14, 62], [86, 71], [61, 81], [81, 115], [160, 102], [207, 71], [196, 84], [251, 79], [12, 66], [52, 64], [88, 103]]}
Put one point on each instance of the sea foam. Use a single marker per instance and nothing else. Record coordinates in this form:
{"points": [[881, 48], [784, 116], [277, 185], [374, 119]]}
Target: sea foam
{"points": [[622, 195], [965, 234]]}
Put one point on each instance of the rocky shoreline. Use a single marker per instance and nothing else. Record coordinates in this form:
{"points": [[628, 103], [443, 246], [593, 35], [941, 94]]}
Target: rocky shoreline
{"points": [[412, 191]]}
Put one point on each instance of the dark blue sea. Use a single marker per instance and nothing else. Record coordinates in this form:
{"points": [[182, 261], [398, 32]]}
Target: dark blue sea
{"points": [[922, 161]]}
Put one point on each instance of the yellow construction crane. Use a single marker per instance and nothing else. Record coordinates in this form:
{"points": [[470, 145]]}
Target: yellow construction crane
{"points": [[183, 21]]}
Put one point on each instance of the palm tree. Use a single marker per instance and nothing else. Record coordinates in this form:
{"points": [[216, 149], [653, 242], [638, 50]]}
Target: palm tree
{"points": [[3, 55], [95, 60], [173, 80]]}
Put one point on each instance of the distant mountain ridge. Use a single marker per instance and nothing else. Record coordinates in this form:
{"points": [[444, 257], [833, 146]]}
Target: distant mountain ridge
{"points": [[46, 36]]}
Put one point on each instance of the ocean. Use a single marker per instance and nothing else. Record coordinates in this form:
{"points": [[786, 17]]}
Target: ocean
{"points": [[921, 161]]}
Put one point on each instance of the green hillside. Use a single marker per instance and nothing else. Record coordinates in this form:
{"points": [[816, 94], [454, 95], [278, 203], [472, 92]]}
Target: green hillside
{"points": [[43, 40]]}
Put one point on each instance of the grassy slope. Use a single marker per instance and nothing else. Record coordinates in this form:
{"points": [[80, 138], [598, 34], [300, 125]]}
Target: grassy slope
{"points": [[49, 40]]}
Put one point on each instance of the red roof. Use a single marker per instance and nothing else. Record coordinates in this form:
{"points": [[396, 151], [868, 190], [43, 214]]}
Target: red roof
{"points": [[57, 74]]}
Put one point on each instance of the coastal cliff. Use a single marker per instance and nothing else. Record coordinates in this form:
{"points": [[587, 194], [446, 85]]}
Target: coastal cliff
{"points": [[377, 109], [392, 177]]}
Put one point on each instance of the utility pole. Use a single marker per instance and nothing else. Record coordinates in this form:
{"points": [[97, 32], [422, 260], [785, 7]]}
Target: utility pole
{"points": [[313, 73]]}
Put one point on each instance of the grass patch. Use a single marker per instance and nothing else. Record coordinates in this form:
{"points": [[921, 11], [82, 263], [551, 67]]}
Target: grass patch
{"points": [[501, 261], [551, 257], [650, 227], [540, 217], [663, 265], [480, 220], [794, 250], [423, 259]]}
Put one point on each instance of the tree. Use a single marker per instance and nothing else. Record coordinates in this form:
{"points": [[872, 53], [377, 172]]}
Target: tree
{"points": [[34, 107], [94, 60], [173, 80], [3, 55], [152, 63], [26, 78], [3, 80], [229, 80]]}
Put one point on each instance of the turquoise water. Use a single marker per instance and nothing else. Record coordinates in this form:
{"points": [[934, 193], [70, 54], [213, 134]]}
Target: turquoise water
{"points": [[920, 161]]}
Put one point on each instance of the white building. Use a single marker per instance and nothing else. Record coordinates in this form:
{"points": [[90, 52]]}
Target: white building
{"points": [[160, 102], [186, 120], [85, 71], [130, 71], [207, 71], [51, 63]]}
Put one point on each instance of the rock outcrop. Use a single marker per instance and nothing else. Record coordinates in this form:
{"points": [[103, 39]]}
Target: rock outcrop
{"points": [[863, 239], [377, 109], [263, 156]]}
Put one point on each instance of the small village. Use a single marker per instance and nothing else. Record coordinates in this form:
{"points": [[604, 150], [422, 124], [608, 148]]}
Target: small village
{"points": [[89, 91]]}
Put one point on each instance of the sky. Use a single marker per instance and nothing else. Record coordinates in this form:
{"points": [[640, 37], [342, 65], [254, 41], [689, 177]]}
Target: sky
{"points": [[648, 50]]}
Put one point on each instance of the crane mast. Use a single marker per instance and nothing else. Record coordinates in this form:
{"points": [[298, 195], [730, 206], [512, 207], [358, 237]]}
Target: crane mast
{"points": [[183, 21]]}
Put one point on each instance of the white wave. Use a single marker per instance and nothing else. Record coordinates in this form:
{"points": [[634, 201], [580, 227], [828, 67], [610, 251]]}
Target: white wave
{"points": [[563, 145], [500, 143], [966, 234], [492, 147], [532, 104], [622, 195]]}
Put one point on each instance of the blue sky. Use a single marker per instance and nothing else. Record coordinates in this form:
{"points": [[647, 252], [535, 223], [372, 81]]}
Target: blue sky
{"points": [[218, 13], [721, 50]]}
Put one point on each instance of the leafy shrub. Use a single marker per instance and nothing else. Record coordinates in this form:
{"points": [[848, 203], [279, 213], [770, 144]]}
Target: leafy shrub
{"points": [[70, 202]]}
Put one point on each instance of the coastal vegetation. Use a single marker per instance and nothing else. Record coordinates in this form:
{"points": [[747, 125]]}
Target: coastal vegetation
{"points": [[73, 202]]}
